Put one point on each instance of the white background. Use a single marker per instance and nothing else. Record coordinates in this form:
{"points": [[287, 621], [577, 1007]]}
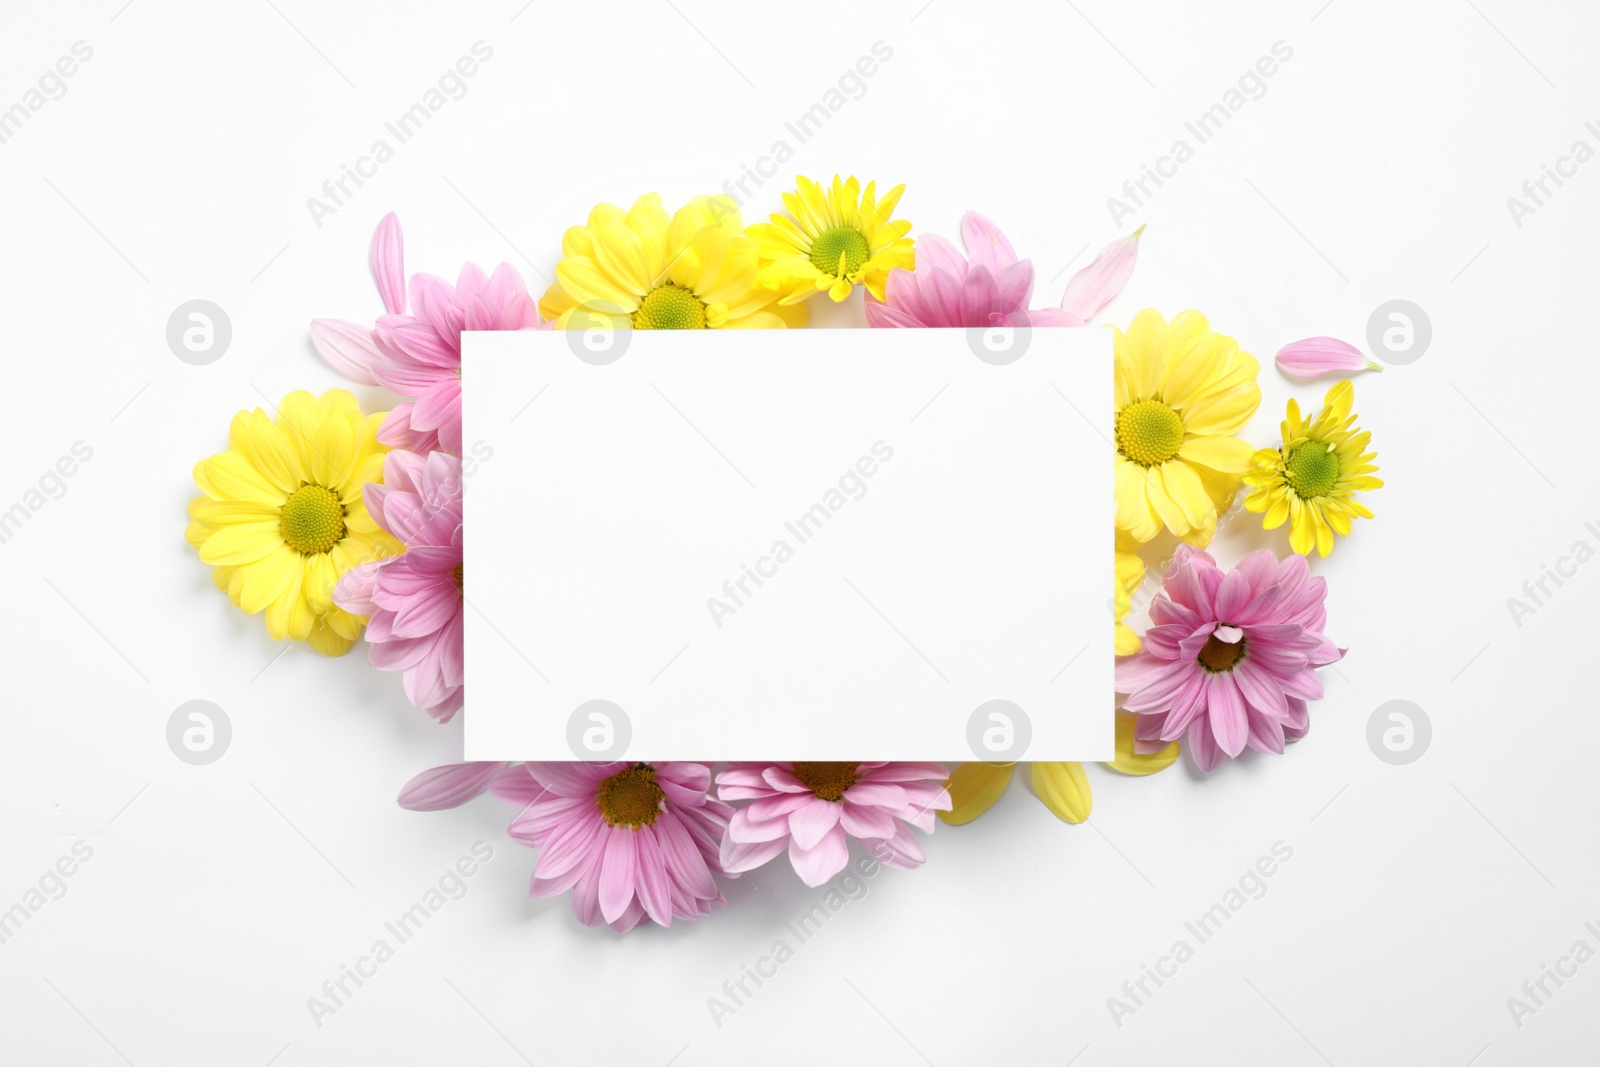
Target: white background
{"points": [[1377, 166]]}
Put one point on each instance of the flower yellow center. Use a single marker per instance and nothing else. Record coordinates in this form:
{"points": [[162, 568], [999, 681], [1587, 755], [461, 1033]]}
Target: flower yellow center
{"points": [[456, 577], [1149, 432], [631, 798], [1312, 470], [670, 307], [312, 520], [841, 240], [1218, 656], [827, 780]]}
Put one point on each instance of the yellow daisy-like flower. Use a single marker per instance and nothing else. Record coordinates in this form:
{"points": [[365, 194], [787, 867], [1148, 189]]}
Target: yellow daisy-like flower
{"points": [[1182, 392], [694, 270], [1130, 575], [282, 516], [1309, 480], [833, 239], [1062, 787]]}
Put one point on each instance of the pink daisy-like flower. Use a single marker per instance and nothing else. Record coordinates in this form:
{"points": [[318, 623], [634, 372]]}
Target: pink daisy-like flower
{"points": [[419, 354], [631, 840], [414, 599], [994, 287], [812, 808], [1230, 659]]}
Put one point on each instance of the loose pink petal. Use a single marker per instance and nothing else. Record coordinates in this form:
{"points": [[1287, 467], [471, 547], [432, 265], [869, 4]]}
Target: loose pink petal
{"points": [[1316, 356], [1050, 317], [449, 786], [347, 347], [1093, 287], [387, 256]]}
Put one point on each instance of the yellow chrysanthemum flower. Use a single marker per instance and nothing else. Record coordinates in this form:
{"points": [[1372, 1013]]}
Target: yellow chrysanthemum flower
{"points": [[1309, 480], [693, 271], [1182, 392], [1130, 575], [1062, 787], [833, 239], [282, 516]]}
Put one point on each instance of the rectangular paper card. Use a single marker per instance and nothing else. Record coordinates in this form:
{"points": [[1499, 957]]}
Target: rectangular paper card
{"points": [[789, 544]]}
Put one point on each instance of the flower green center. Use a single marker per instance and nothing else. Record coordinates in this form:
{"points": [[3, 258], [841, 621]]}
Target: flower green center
{"points": [[846, 241], [1312, 470], [1149, 432], [311, 520], [828, 781], [631, 798], [1218, 656], [670, 307]]}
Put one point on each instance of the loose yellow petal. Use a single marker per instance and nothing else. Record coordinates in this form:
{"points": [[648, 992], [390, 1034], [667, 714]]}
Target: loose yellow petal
{"points": [[974, 787], [1064, 789]]}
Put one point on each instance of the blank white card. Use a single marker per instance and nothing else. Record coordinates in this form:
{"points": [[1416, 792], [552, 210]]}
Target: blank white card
{"points": [[801, 544]]}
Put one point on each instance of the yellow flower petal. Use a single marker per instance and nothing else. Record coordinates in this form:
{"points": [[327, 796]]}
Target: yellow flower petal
{"points": [[974, 787], [1064, 789], [1130, 762], [243, 542]]}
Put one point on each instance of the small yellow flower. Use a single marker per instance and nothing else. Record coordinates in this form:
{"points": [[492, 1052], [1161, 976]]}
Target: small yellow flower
{"points": [[1182, 392], [833, 239], [1309, 480], [1063, 787], [282, 515], [694, 270]]}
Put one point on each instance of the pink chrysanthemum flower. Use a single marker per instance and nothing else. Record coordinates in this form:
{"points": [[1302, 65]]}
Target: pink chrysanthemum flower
{"points": [[994, 287], [812, 808], [414, 599], [419, 354], [631, 840], [1230, 659]]}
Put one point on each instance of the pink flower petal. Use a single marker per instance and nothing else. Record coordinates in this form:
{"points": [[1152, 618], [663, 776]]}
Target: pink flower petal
{"points": [[448, 786], [347, 347], [1096, 285], [810, 823], [1315, 356], [387, 257], [986, 245], [618, 870], [816, 865], [1229, 723]]}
